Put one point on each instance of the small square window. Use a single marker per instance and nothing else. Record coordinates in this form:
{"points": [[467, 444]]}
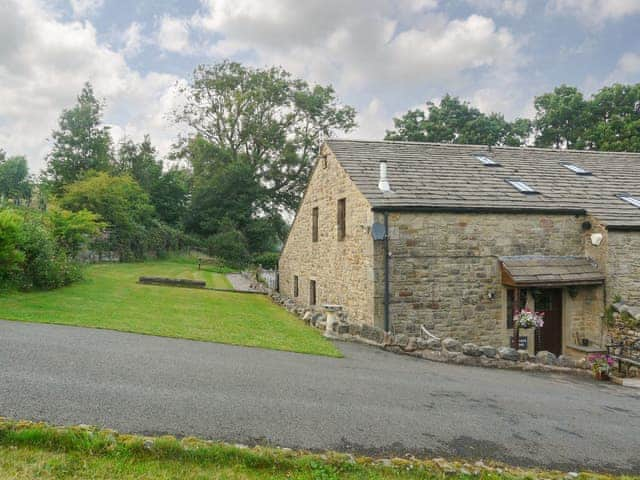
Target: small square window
{"points": [[486, 161], [629, 199], [576, 169], [522, 187]]}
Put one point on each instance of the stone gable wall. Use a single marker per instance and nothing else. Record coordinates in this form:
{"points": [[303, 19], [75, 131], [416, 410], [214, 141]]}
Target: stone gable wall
{"points": [[623, 269], [445, 272], [343, 270]]}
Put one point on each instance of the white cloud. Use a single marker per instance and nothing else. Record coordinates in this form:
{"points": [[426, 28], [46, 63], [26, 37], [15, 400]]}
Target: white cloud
{"points": [[43, 65], [373, 121], [513, 8], [173, 35], [83, 8], [627, 69], [133, 40], [362, 41], [595, 12]]}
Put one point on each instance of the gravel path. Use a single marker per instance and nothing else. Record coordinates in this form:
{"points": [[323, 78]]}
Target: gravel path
{"points": [[371, 401], [240, 283]]}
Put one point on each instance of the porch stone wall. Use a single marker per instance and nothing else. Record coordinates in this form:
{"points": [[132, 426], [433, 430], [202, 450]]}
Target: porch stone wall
{"points": [[583, 309], [444, 268], [623, 266], [343, 270]]}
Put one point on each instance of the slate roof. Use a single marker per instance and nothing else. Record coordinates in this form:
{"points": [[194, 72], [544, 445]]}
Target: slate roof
{"points": [[529, 270], [449, 177]]}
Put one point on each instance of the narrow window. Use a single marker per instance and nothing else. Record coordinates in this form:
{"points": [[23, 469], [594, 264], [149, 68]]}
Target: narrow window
{"points": [[312, 292], [522, 187], [342, 218], [295, 286], [576, 169], [629, 199], [314, 226]]}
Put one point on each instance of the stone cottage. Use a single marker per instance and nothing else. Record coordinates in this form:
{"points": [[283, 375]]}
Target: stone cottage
{"points": [[455, 238]]}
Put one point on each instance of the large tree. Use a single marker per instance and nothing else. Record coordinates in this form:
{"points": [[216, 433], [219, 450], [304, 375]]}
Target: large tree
{"points": [[609, 120], [267, 117], [168, 190], [562, 117], [81, 143], [455, 121]]}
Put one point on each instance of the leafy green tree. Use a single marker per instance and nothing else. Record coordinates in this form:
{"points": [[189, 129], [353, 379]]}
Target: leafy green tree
{"points": [[139, 161], [121, 203], [170, 196], [80, 144], [14, 179], [615, 119], [562, 118], [10, 255], [168, 191], [271, 120], [72, 230], [455, 121]]}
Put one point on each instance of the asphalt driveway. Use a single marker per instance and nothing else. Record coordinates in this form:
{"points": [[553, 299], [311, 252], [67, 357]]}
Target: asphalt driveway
{"points": [[370, 402]]}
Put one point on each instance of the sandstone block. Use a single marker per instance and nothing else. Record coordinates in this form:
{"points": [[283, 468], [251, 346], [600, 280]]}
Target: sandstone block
{"points": [[451, 345]]}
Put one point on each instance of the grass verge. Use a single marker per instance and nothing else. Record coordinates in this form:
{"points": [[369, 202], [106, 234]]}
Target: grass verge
{"points": [[110, 297], [37, 450]]}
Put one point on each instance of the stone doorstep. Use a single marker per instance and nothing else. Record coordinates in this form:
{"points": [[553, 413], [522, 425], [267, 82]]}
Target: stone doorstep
{"points": [[626, 382]]}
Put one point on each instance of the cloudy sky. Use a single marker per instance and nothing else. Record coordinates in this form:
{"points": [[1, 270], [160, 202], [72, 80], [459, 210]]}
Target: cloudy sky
{"points": [[382, 56]]}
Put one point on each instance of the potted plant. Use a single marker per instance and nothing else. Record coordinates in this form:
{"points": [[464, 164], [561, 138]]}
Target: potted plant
{"points": [[527, 318], [601, 366]]}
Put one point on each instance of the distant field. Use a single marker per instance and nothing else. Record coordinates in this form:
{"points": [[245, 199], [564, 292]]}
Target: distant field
{"points": [[111, 298]]}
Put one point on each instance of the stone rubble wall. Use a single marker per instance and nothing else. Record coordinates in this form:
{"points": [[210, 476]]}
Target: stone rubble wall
{"points": [[445, 271], [623, 279], [448, 350], [342, 270]]}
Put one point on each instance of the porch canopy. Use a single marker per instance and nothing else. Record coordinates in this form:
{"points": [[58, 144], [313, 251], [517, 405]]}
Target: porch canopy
{"points": [[542, 271]]}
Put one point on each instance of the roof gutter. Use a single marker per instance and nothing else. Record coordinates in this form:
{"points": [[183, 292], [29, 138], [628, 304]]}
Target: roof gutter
{"points": [[623, 228], [430, 208]]}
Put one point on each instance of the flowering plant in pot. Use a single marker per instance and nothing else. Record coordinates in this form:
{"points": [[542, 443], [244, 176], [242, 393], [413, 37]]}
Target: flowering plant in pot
{"points": [[600, 365], [527, 318]]}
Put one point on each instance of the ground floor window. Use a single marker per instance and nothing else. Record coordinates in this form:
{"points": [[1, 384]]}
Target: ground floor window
{"points": [[312, 292], [295, 285]]}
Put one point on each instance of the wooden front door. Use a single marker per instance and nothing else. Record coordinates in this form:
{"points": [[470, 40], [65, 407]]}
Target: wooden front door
{"points": [[549, 301]]}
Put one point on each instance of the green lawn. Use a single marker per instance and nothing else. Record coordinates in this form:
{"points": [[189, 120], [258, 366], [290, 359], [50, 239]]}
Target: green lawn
{"points": [[30, 450], [110, 297]]}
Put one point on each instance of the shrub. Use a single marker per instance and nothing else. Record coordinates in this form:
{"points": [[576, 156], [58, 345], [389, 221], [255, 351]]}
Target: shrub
{"points": [[10, 256], [231, 246], [268, 260], [38, 250]]}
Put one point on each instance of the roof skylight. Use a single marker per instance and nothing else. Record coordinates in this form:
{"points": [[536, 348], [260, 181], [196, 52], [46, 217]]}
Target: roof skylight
{"points": [[487, 161], [576, 169], [521, 186], [630, 199]]}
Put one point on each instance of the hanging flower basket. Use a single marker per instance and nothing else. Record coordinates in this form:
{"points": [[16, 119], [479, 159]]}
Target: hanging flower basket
{"points": [[527, 318]]}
